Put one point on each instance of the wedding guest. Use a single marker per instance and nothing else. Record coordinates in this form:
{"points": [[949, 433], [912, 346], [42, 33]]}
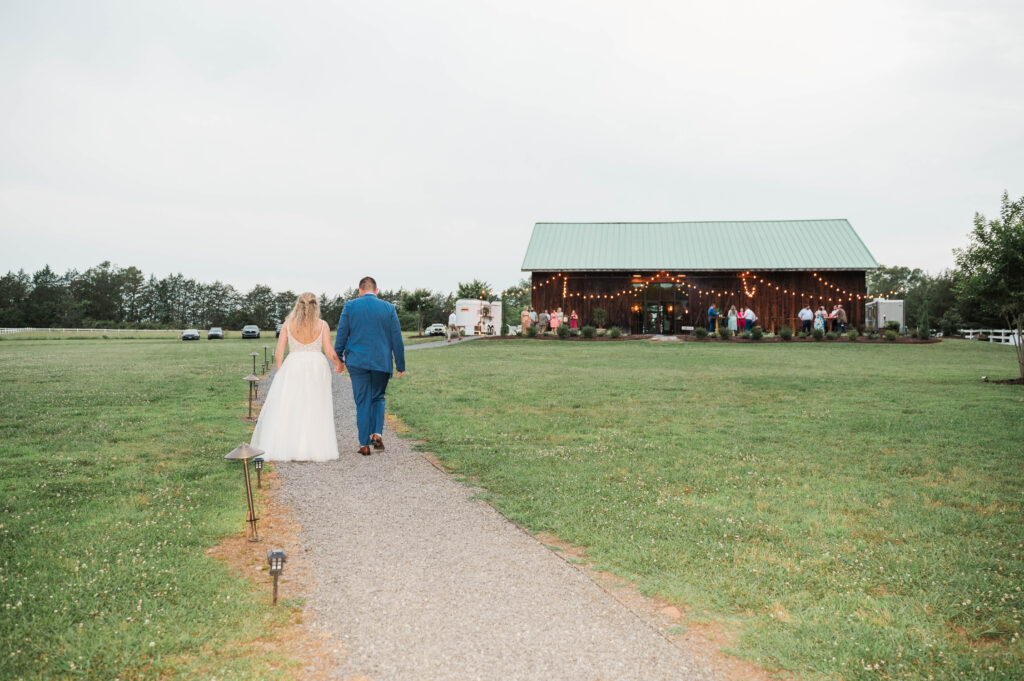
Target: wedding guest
{"points": [[750, 317], [574, 320], [733, 316], [712, 318], [841, 318], [533, 315], [832, 321], [542, 322], [741, 320], [525, 319], [819, 318], [806, 317], [555, 320]]}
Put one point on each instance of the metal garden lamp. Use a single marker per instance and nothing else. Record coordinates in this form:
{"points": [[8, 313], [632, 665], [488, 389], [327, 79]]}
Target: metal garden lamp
{"points": [[243, 453], [276, 559], [265, 360], [257, 463], [253, 380], [254, 355]]}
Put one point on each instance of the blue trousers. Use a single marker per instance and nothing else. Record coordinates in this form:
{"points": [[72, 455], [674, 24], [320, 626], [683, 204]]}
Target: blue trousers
{"points": [[368, 388]]}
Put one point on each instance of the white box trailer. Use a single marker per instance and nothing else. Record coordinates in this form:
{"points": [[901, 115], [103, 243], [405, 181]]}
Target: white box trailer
{"points": [[879, 311], [478, 317]]}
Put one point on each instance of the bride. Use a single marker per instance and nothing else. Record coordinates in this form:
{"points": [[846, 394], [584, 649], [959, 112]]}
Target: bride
{"points": [[297, 420]]}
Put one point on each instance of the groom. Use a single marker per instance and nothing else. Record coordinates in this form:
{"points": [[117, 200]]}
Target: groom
{"points": [[368, 336]]}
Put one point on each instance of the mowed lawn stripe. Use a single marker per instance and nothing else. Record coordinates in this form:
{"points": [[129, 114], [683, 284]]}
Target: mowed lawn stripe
{"points": [[839, 505]]}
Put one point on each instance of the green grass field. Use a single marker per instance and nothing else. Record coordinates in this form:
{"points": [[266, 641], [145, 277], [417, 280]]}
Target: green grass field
{"points": [[851, 511], [113, 486], [839, 506]]}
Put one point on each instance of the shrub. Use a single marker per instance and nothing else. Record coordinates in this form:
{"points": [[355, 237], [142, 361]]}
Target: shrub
{"points": [[700, 332], [757, 333], [531, 331], [895, 326], [587, 331], [602, 332], [600, 316], [923, 332], [890, 334], [818, 334], [574, 332], [563, 331], [951, 323], [872, 336], [802, 334], [832, 335], [746, 335], [504, 329], [786, 333], [725, 333], [614, 332], [852, 334]]}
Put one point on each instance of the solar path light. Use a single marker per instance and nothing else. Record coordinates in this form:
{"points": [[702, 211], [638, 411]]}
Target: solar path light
{"points": [[257, 463], [253, 380], [276, 559], [265, 360], [243, 453], [254, 355]]}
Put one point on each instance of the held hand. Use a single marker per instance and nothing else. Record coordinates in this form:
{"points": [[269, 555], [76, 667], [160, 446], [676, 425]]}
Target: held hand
{"points": [[339, 367], [400, 374]]}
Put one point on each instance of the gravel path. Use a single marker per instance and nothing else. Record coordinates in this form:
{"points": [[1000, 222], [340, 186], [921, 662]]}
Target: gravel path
{"points": [[420, 580]]}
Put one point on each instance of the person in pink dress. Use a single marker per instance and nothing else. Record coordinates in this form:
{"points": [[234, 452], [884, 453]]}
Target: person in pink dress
{"points": [[574, 320]]}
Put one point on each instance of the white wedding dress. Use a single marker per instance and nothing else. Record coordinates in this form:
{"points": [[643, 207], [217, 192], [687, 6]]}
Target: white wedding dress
{"points": [[297, 420]]}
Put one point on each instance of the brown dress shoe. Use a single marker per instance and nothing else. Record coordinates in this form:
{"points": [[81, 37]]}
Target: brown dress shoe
{"points": [[377, 442], [364, 450]]}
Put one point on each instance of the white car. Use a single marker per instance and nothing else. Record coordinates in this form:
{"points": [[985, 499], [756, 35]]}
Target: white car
{"points": [[435, 330]]}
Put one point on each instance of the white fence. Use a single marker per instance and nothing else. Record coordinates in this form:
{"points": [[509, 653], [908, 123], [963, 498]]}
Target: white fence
{"points": [[1004, 336], [107, 331]]}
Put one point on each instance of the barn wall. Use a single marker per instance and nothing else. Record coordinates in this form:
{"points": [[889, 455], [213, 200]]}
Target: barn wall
{"points": [[583, 291]]}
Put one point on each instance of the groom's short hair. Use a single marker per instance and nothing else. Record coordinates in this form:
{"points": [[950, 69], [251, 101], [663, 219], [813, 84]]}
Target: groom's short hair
{"points": [[367, 284]]}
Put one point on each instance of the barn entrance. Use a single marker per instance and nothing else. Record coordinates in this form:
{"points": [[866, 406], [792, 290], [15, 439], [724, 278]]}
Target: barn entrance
{"points": [[659, 307]]}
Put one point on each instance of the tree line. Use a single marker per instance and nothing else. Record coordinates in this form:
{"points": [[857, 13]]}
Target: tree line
{"points": [[108, 296]]}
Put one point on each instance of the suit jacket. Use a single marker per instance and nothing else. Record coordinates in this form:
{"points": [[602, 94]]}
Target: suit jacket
{"points": [[369, 335]]}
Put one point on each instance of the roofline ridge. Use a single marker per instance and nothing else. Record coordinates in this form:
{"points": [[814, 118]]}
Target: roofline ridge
{"points": [[680, 222]]}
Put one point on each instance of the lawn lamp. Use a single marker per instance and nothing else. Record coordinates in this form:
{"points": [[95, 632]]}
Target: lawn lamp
{"points": [[243, 453], [265, 360], [254, 355], [253, 380], [257, 463], [276, 559]]}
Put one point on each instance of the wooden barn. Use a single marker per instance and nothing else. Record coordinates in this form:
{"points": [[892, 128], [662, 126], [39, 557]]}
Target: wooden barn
{"points": [[661, 277]]}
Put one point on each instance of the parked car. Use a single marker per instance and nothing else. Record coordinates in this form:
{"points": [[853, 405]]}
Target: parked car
{"points": [[190, 334], [215, 332], [250, 331], [277, 334], [435, 330]]}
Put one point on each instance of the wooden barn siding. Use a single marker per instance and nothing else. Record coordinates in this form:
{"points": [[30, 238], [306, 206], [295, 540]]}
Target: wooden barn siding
{"points": [[773, 308]]}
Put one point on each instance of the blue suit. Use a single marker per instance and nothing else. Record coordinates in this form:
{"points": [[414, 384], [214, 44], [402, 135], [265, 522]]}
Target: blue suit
{"points": [[368, 337]]}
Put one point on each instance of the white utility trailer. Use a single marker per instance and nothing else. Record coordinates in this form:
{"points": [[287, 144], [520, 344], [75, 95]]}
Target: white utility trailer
{"points": [[879, 311], [478, 317]]}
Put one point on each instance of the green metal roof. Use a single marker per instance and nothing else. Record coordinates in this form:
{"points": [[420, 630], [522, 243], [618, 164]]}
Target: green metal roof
{"points": [[753, 245]]}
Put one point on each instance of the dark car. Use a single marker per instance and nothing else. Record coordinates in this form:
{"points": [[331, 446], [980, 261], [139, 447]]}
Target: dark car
{"points": [[250, 331], [215, 332], [190, 334]]}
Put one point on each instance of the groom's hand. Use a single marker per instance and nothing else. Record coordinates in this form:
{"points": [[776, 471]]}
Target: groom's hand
{"points": [[400, 374], [339, 367]]}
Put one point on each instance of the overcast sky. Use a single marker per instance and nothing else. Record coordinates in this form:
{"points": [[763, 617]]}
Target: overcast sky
{"points": [[305, 144]]}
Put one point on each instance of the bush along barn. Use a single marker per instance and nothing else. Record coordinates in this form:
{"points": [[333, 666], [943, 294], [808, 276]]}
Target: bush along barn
{"points": [[661, 277]]}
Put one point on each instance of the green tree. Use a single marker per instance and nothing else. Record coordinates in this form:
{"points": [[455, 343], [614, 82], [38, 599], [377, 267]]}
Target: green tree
{"points": [[418, 303], [258, 304], [14, 291], [513, 300], [480, 290], [991, 277]]}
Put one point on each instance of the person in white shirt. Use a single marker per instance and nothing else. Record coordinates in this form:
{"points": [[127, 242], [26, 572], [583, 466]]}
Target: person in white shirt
{"points": [[806, 317], [452, 329], [750, 317]]}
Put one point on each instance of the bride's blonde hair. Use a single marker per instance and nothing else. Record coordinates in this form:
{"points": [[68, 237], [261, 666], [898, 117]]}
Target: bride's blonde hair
{"points": [[304, 318]]}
